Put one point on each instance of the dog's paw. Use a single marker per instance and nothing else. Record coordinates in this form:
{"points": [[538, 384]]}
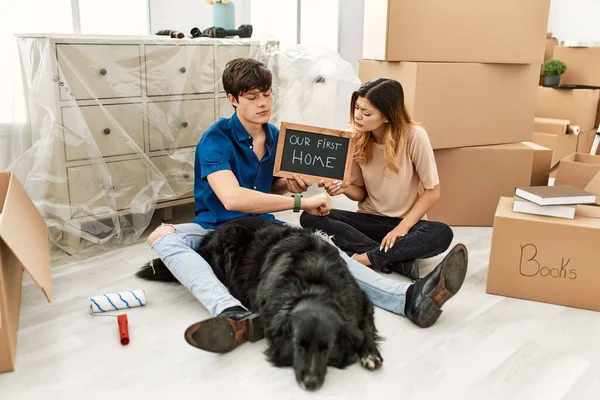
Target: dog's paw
{"points": [[371, 361]]}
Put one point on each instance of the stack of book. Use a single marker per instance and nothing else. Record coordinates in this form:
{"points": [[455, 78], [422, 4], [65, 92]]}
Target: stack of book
{"points": [[552, 201]]}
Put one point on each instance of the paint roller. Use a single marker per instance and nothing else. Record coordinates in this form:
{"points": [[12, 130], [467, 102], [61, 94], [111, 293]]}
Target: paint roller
{"points": [[118, 301]]}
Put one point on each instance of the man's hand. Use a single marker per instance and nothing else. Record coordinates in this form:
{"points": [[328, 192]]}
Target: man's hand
{"points": [[296, 184], [319, 204], [333, 188], [389, 239]]}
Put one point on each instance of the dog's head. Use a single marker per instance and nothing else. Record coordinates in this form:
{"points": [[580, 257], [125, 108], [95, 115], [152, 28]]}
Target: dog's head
{"points": [[318, 331]]}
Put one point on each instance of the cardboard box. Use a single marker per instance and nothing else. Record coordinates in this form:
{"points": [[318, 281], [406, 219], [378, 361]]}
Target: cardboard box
{"points": [[542, 162], [585, 140], [546, 259], [577, 170], [594, 187], [583, 65], [551, 125], [472, 179], [576, 105], [561, 145], [551, 43], [465, 104], [23, 245], [510, 31]]}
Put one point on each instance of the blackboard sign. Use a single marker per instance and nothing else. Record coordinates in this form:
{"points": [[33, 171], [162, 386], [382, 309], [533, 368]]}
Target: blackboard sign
{"points": [[313, 153]]}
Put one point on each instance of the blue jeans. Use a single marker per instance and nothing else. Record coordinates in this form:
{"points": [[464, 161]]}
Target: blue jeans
{"points": [[178, 251]]}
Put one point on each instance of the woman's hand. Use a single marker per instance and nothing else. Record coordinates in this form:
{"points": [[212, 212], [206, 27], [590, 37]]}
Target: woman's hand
{"points": [[333, 188], [389, 239]]}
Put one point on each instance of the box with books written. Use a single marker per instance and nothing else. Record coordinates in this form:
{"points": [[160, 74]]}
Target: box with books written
{"points": [[546, 259]]}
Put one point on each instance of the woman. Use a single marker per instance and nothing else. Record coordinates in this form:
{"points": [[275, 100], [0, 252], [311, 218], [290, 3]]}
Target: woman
{"points": [[395, 181]]}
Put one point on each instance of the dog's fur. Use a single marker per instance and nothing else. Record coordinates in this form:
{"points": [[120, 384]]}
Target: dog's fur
{"points": [[314, 312]]}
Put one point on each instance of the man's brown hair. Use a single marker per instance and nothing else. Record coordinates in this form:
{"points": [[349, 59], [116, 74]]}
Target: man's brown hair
{"points": [[242, 75]]}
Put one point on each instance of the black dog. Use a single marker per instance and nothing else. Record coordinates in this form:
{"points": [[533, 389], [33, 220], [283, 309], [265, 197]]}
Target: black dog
{"points": [[315, 314]]}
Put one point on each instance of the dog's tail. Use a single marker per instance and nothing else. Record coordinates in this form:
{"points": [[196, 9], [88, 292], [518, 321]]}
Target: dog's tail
{"points": [[156, 270]]}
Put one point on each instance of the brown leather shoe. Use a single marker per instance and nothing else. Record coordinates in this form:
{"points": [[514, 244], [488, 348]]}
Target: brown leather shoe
{"points": [[225, 332], [430, 293]]}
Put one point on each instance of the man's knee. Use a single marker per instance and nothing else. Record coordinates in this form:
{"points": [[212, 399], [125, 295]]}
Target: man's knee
{"points": [[159, 233]]}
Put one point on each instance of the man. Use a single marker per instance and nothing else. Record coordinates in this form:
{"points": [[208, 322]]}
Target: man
{"points": [[234, 178]]}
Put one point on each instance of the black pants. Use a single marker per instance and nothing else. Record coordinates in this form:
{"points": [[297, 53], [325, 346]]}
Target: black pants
{"points": [[362, 233]]}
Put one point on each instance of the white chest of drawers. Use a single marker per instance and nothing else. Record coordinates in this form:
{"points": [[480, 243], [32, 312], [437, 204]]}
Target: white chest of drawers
{"points": [[118, 120]]}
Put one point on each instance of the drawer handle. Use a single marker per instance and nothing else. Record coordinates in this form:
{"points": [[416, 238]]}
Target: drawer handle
{"points": [[103, 71], [182, 70], [184, 124], [186, 176], [106, 131]]}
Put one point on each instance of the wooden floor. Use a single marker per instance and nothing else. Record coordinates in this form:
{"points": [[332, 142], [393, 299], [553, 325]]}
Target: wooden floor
{"points": [[482, 347]]}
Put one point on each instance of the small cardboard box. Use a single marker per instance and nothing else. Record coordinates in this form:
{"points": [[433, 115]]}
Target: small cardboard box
{"points": [[23, 245], [551, 125], [576, 105], [583, 65], [465, 104], [577, 170], [585, 141], [472, 179], [561, 145], [546, 259], [509, 31]]}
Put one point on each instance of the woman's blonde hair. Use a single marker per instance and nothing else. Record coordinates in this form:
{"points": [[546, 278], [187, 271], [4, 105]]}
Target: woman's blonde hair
{"points": [[387, 95]]}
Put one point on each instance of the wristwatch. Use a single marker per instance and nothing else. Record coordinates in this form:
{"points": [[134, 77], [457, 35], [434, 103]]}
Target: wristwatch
{"points": [[297, 198]]}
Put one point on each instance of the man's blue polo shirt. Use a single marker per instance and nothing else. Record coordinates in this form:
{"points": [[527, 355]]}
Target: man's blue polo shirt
{"points": [[227, 145]]}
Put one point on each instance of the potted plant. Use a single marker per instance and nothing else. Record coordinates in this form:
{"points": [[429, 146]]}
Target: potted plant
{"points": [[552, 70], [223, 13]]}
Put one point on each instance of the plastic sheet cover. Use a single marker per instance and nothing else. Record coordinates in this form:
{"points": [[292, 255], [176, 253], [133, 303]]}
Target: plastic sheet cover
{"points": [[114, 122]]}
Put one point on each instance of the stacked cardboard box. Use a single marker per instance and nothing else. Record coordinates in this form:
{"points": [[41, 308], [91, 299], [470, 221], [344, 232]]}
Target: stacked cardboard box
{"points": [[581, 104], [472, 84], [550, 259], [576, 107], [583, 65]]}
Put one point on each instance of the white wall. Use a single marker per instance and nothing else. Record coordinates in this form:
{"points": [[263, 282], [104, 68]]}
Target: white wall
{"points": [[183, 15], [351, 31], [575, 20]]}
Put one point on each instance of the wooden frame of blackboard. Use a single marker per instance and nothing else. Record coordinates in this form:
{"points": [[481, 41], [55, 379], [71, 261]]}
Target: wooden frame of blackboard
{"points": [[284, 126]]}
